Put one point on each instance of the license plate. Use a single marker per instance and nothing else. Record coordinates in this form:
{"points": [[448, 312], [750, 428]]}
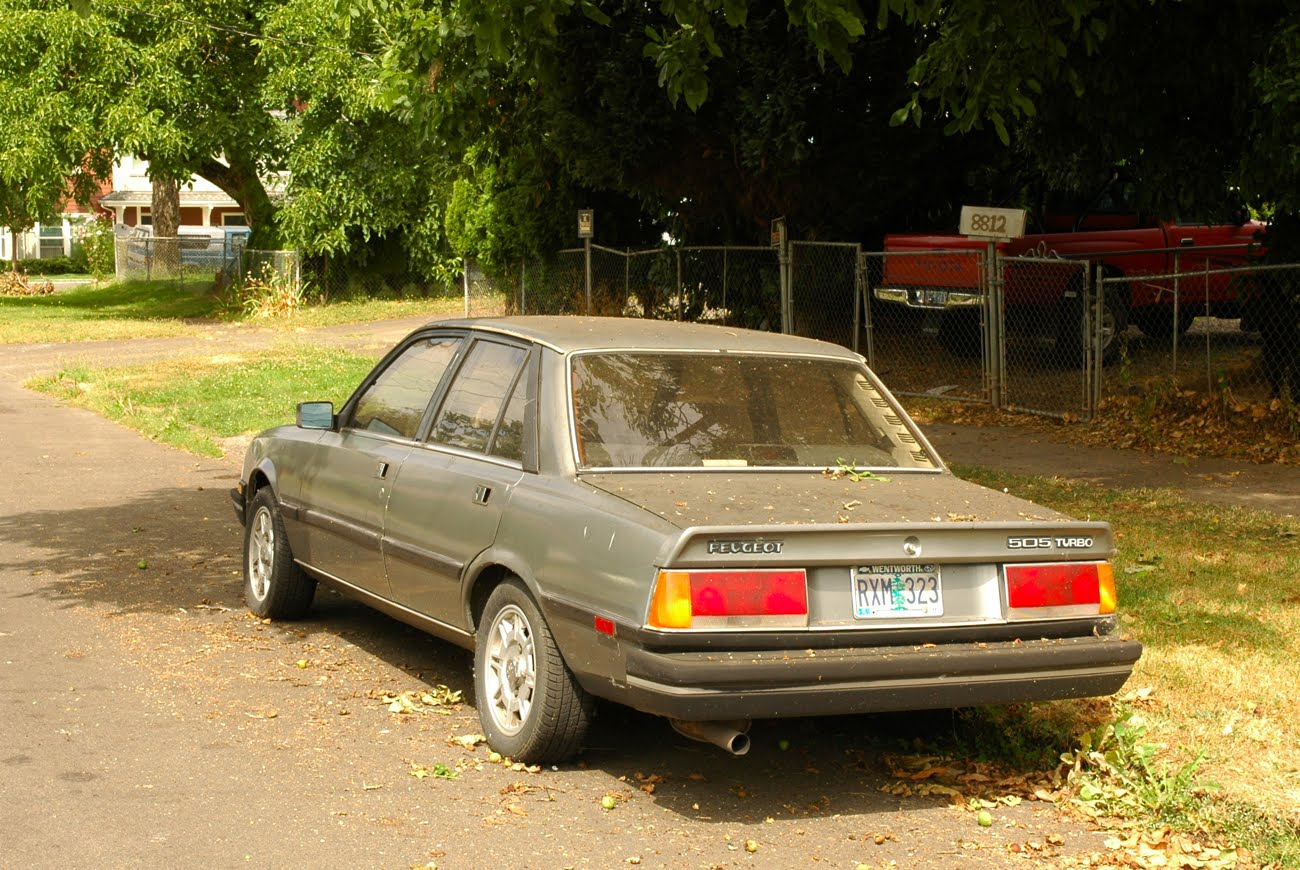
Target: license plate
{"points": [[935, 298], [893, 591]]}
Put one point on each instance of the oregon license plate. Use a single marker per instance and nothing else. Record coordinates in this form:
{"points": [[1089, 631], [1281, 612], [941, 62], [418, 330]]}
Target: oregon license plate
{"points": [[894, 591]]}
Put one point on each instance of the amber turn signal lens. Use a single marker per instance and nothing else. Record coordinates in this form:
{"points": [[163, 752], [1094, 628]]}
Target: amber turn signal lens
{"points": [[671, 606], [1106, 588]]}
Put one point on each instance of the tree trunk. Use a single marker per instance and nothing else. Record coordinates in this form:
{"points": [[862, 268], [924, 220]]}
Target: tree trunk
{"points": [[238, 178], [166, 213]]}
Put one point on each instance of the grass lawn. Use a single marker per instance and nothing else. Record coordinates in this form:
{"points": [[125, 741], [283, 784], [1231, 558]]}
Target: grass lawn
{"points": [[158, 309], [128, 310]]}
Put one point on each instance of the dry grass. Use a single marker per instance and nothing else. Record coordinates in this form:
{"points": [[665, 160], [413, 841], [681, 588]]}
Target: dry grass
{"points": [[1213, 593]]}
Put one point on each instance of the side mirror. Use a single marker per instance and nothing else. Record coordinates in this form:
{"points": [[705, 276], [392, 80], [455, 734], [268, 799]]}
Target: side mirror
{"points": [[315, 415]]}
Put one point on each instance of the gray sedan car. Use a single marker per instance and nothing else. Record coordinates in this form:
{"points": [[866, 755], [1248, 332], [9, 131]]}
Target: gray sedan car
{"points": [[707, 524]]}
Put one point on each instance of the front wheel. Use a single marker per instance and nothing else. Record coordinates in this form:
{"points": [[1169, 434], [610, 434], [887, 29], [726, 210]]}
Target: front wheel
{"points": [[274, 586], [531, 707]]}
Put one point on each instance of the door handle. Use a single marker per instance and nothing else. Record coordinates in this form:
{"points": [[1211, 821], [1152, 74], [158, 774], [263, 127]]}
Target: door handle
{"points": [[482, 494], [381, 470], [1187, 243]]}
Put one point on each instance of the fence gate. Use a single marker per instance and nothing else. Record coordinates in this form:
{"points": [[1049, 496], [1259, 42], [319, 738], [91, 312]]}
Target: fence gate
{"points": [[1020, 335]]}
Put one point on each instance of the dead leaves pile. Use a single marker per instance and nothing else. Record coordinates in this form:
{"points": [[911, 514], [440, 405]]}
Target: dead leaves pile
{"points": [[974, 786], [1182, 422], [1165, 850], [439, 700], [967, 783]]}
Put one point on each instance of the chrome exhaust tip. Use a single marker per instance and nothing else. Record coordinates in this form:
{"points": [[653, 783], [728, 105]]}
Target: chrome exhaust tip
{"points": [[730, 735]]}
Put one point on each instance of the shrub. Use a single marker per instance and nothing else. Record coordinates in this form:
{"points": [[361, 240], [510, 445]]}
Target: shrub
{"points": [[47, 266], [99, 243]]}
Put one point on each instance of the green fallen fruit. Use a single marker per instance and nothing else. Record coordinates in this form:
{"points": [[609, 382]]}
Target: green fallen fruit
{"points": [[608, 802], [985, 818]]}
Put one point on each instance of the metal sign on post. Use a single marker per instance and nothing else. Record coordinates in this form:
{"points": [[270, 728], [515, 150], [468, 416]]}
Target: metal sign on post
{"points": [[586, 229], [778, 232], [987, 222]]}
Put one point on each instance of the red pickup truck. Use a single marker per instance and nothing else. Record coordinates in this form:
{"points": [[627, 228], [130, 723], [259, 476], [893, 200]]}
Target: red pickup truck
{"points": [[1046, 302]]}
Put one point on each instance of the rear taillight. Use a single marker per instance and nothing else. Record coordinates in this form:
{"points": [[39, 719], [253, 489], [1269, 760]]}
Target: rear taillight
{"points": [[722, 599], [1060, 589]]}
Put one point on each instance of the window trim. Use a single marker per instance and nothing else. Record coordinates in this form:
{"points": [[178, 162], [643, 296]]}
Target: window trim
{"points": [[426, 428]]}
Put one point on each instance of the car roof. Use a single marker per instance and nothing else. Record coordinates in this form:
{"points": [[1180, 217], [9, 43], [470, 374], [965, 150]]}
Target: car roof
{"points": [[572, 334]]}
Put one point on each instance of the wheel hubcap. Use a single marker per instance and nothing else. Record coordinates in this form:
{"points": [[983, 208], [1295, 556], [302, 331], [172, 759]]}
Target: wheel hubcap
{"points": [[510, 675], [261, 554]]}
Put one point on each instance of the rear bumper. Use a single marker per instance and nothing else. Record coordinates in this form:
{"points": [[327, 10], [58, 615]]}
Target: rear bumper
{"points": [[767, 685]]}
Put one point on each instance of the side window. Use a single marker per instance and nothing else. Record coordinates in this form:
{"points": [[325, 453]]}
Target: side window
{"points": [[395, 403], [474, 401], [509, 443]]}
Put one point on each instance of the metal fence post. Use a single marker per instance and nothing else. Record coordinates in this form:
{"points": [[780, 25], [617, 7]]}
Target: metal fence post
{"points": [[994, 353], [523, 286], [787, 303], [586, 248], [864, 301], [465, 265], [680, 291], [857, 297], [1177, 314]]}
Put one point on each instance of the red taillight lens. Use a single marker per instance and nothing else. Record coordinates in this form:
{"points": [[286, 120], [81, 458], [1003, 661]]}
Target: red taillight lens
{"points": [[1061, 584], [702, 599]]}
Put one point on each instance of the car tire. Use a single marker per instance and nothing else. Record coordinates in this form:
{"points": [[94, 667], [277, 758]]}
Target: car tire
{"points": [[529, 702], [960, 334], [1157, 321], [274, 586], [1070, 337]]}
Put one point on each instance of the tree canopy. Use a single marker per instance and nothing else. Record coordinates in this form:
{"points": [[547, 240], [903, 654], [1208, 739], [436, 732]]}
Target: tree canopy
{"points": [[476, 127]]}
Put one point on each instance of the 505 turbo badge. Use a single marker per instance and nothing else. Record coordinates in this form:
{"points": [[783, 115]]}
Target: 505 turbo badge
{"points": [[1016, 542]]}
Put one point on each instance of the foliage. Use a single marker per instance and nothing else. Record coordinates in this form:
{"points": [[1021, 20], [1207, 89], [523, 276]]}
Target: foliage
{"points": [[50, 266], [1116, 773], [100, 246], [271, 293]]}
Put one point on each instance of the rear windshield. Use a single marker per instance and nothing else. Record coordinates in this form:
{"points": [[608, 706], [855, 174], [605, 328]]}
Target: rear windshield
{"points": [[684, 410]]}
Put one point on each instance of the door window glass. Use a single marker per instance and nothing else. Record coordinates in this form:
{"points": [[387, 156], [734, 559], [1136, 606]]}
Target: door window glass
{"points": [[395, 403], [477, 395]]}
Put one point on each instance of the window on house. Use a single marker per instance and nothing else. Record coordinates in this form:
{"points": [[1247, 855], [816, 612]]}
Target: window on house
{"points": [[51, 241], [234, 219], [146, 217]]}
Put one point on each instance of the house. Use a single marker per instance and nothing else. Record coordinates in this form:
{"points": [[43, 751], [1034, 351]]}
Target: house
{"points": [[127, 199], [203, 204]]}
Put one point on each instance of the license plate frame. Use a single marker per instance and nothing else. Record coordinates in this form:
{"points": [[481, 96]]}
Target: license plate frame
{"points": [[896, 591]]}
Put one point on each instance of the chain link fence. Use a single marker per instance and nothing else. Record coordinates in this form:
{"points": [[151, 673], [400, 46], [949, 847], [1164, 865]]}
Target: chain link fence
{"points": [[1232, 331], [190, 258], [924, 315]]}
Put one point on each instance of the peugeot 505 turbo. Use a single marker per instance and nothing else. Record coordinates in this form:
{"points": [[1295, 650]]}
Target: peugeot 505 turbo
{"points": [[711, 525]]}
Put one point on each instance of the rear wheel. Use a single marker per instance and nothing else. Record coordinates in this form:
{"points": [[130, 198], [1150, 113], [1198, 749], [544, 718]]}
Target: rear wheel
{"points": [[274, 586], [1072, 334], [529, 702]]}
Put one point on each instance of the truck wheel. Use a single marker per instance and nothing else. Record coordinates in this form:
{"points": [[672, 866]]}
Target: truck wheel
{"points": [[1157, 321], [959, 334], [531, 707], [274, 586], [1072, 326]]}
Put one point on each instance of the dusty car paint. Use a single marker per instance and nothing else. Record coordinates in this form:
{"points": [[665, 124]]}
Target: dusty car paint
{"points": [[429, 532]]}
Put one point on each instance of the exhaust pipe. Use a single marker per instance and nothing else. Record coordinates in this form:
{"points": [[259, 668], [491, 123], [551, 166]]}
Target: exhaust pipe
{"points": [[731, 735]]}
